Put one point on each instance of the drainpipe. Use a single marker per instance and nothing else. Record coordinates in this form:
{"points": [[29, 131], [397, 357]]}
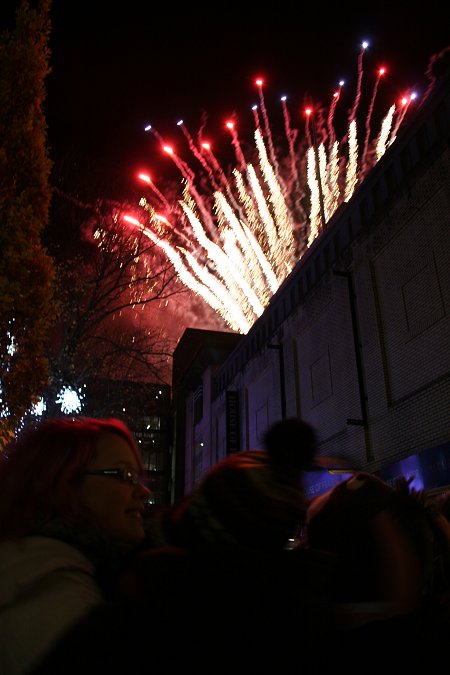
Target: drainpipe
{"points": [[279, 348], [363, 422]]}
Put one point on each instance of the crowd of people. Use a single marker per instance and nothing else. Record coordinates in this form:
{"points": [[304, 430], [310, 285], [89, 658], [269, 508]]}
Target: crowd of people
{"points": [[212, 584]]}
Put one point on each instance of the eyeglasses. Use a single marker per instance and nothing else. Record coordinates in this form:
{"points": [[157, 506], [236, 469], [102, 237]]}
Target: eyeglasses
{"points": [[129, 475]]}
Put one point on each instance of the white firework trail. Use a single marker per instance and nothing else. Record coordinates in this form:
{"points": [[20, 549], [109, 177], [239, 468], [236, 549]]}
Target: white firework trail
{"points": [[229, 309], [406, 101], [332, 177], [237, 145], [331, 131], [381, 72], [197, 153], [235, 234], [267, 130], [203, 285], [266, 219], [351, 177], [314, 213], [280, 209], [224, 265], [383, 138]]}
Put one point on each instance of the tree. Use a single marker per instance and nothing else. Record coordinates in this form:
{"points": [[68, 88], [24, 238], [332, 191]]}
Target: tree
{"points": [[100, 288], [26, 269]]}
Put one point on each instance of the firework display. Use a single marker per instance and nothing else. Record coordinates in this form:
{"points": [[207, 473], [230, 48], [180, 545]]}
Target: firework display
{"points": [[233, 239]]}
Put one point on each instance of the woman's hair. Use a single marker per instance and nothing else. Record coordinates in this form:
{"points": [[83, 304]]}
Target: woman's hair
{"points": [[41, 471]]}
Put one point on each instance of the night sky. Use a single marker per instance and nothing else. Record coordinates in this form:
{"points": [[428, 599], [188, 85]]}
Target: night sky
{"points": [[116, 69]]}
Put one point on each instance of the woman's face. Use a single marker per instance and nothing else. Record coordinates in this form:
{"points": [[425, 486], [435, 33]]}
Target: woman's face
{"points": [[115, 506]]}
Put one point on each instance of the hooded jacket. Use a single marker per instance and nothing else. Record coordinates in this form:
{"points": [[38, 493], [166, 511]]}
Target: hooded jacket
{"points": [[46, 585]]}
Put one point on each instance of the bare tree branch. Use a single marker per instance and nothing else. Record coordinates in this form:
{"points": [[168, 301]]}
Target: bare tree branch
{"points": [[99, 289]]}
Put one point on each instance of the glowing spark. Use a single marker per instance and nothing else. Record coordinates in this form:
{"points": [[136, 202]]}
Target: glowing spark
{"points": [[197, 154], [351, 177], [39, 408], [268, 133], [308, 112], [358, 88], [381, 72], [336, 97], [12, 346], [383, 137], [406, 100], [70, 400], [145, 178]]}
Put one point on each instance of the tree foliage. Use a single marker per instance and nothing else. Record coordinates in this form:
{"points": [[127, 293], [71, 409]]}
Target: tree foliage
{"points": [[26, 269], [101, 289]]}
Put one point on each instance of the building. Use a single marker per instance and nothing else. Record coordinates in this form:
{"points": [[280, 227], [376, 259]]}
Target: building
{"points": [[356, 340], [196, 360], [145, 408]]}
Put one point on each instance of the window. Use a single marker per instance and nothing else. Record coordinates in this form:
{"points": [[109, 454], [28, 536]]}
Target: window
{"points": [[198, 404], [152, 422]]}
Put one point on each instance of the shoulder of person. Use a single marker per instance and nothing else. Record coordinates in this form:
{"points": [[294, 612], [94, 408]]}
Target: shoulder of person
{"points": [[30, 561], [45, 552], [46, 586]]}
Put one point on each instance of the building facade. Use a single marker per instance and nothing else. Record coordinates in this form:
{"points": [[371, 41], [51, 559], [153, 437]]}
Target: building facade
{"points": [[356, 341]]}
